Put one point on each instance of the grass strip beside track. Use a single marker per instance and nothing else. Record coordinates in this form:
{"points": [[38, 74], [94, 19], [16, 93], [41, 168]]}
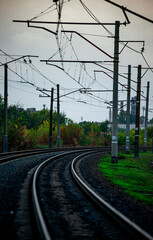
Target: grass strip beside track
{"points": [[135, 176]]}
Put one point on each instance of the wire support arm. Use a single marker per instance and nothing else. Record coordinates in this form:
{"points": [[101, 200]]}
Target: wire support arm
{"points": [[112, 77], [66, 31], [130, 11], [54, 65], [73, 61], [18, 59], [95, 90], [66, 23], [46, 29]]}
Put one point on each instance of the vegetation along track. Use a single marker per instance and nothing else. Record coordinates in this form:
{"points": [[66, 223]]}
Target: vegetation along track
{"points": [[66, 211]]}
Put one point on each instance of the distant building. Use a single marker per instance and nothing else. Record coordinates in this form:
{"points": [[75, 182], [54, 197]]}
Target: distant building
{"points": [[31, 109], [132, 126]]}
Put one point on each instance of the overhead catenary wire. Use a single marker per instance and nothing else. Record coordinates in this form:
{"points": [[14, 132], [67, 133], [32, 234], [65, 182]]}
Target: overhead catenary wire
{"points": [[43, 12], [119, 75], [26, 81], [94, 17], [75, 54], [47, 78], [147, 62], [47, 10], [90, 14], [111, 34], [85, 102], [31, 65], [34, 85], [38, 71], [62, 56], [93, 80]]}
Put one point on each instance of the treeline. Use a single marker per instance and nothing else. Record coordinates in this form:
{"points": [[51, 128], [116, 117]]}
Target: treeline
{"points": [[31, 129], [122, 118]]}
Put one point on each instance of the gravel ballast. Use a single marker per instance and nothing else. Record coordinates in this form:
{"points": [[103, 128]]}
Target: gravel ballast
{"points": [[12, 180]]}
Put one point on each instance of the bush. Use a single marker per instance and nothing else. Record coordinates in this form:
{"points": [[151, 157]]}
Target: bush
{"points": [[121, 138], [31, 139], [43, 133], [16, 134], [71, 134]]}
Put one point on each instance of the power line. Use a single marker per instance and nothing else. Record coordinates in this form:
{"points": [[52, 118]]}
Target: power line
{"points": [[76, 55], [147, 62], [108, 31], [130, 11], [23, 90], [43, 12]]}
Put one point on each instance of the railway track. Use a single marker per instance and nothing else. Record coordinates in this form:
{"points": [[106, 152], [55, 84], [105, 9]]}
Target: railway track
{"points": [[64, 206], [124, 229], [9, 156]]}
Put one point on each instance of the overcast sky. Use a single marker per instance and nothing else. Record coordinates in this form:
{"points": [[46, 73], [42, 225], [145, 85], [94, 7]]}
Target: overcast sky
{"points": [[24, 78]]}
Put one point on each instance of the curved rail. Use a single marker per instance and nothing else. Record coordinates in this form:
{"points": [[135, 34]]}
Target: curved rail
{"points": [[6, 157], [9, 156], [119, 217], [35, 197]]}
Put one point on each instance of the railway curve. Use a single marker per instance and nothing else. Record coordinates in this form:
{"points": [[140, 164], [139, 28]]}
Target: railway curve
{"points": [[60, 207]]}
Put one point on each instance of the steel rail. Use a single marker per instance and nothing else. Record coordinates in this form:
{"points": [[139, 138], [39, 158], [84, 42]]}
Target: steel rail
{"points": [[9, 156], [6, 157], [41, 223], [118, 216]]}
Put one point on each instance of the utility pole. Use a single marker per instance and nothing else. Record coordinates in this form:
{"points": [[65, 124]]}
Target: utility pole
{"points": [[5, 145], [51, 118], [58, 118], [137, 125], [128, 112], [114, 157], [146, 118], [5, 140]]}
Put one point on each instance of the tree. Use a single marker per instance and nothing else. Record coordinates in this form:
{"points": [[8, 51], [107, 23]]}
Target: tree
{"points": [[104, 126], [122, 117], [34, 119], [16, 134], [151, 120], [86, 126], [71, 134]]}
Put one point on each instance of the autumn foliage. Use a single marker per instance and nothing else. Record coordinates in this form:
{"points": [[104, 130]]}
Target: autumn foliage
{"points": [[29, 130]]}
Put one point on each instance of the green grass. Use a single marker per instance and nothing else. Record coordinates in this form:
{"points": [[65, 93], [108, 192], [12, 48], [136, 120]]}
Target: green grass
{"points": [[134, 176]]}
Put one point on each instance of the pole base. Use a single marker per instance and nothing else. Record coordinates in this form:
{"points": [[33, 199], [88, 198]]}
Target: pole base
{"points": [[58, 141], [50, 141], [127, 152], [114, 159], [145, 149], [5, 143], [136, 147]]}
